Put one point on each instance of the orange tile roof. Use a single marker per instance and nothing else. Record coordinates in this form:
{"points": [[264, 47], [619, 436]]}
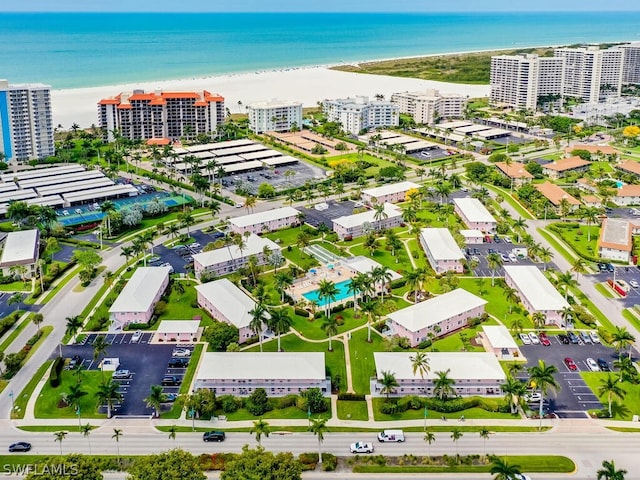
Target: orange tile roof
{"points": [[109, 101], [158, 141], [555, 194], [158, 101], [124, 106], [603, 149], [591, 199], [565, 164], [200, 103], [179, 95], [515, 170], [629, 191], [630, 166], [142, 96], [614, 232]]}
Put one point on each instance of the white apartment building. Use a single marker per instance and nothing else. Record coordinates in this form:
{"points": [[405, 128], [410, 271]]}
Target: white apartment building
{"points": [[441, 249], [274, 116], [430, 106], [518, 81], [359, 114], [631, 65], [26, 125], [266, 221], [172, 115]]}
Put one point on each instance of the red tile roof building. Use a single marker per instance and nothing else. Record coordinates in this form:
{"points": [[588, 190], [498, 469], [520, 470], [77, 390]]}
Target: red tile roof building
{"points": [[171, 115]]}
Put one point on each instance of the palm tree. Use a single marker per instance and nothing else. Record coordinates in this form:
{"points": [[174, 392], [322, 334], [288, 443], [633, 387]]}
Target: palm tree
{"points": [[74, 324], [155, 399], [519, 225], [107, 394], [511, 296], [73, 396], [579, 266], [260, 428], [611, 387], [60, 436], [626, 369], [327, 291], [282, 281], [107, 207], [172, 434], [566, 279], [127, 252], [539, 319], [513, 390], [117, 433], [258, 317], [319, 428], [609, 471], [429, 437], [420, 363], [590, 215], [622, 338], [100, 346], [379, 214], [37, 319], [484, 435], [456, 435], [503, 470], [494, 262], [86, 431], [545, 255], [542, 375], [382, 276], [414, 280], [280, 322], [178, 288], [443, 189], [389, 383], [330, 326], [370, 308], [443, 385]]}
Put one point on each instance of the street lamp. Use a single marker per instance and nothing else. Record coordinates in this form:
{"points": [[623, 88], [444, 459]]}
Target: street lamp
{"points": [[11, 397]]}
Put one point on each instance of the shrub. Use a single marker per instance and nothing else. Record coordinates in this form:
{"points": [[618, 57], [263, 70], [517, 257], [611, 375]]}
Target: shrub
{"points": [[257, 403], [54, 377], [160, 308], [424, 344], [228, 403], [301, 312], [351, 397], [399, 283], [329, 462], [309, 461], [316, 403], [392, 408], [287, 401]]}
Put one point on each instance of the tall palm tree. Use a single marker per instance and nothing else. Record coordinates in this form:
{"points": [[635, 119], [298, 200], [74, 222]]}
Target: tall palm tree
{"points": [[382, 276], [519, 225], [100, 346], [513, 390], [370, 308], [484, 435], [494, 262], [282, 281], [621, 339], [590, 215], [37, 320], [117, 433], [73, 395], [389, 383], [567, 281], [108, 207], [74, 323], [579, 266], [47, 217], [503, 470], [610, 472], [319, 428], [429, 437], [260, 428], [86, 431], [172, 434], [539, 319], [280, 322], [327, 291], [127, 252], [155, 399], [443, 385], [545, 255], [543, 376], [511, 296], [379, 215], [414, 280], [330, 326], [611, 387], [420, 364], [456, 435], [108, 394], [258, 317], [59, 437]]}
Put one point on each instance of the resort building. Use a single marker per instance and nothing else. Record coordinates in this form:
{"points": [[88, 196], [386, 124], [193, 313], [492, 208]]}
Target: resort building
{"points": [[472, 237], [279, 373], [361, 114], [359, 224], [596, 151], [522, 81], [627, 195], [160, 115], [390, 193], [431, 106], [631, 65], [178, 331], [274, 116], [474, 373], [362, 264], [616, 239], [497, 340], [441, 250], [436, 316], [20, 253], [556, 195], [536, 293], [591, 201], [229, 259], [26, 124], [227, 303], [516, 172], [564, 166], [474, 214], [266, 221], [630, 166], [139, 297]]}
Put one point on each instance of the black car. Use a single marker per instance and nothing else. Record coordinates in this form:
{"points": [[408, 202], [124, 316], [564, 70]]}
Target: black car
{"points": [[573, 338], [20, 447], [214, 436], [178, 363], [170, 380], [604, 365], [563, 338], [602, 267], [75, 360], [610, 267], [216, 235]]}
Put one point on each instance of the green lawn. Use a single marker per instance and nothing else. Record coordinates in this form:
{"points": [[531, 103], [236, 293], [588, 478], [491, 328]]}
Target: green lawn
{"points": [[8, 340], [179, 307], [621, 410], [303, 260], [20, 402], [18, 286], [497, 304], [605, 290], [176, 408], [371, 171], [558, 245], [398, 263], [356, 410], [312, 329], [631, 318], [49, 404], [419, 414], [578, 238], [289, 236], [363, 366], [524, 213]]}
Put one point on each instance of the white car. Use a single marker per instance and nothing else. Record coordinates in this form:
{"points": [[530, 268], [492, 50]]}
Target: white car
{"points": [[594, 337], [525, 339], [533, 397], [135, 338], [181, 352], [593, 365], [634, 283], [361, 447], [534, 338], [512, 258], [508, 239]]}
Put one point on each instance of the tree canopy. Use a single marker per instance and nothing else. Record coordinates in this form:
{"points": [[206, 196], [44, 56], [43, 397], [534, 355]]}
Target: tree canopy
{"points": [[173, 465], [257, 464]]}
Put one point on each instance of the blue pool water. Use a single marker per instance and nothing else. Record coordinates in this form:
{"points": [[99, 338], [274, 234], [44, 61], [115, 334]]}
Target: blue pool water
{"points": [[343, 292], [619, 184]]}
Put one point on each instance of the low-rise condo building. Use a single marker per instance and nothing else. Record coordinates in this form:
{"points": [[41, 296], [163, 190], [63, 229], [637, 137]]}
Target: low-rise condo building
{"points": [[229, 259], [139, 297], [537, 294], [431, 106], [359, 224], [630, 166], [597, 151], [627, 195], [515, 172], [21, 252], [266, 221], [565, 166], [441, 250], [474, 373], [279, 373], [616, 239], [557, 195], [274, 116], [474, 214], [361, 114], [178, 331], [436, 316], [497, 340], [390, 193]]}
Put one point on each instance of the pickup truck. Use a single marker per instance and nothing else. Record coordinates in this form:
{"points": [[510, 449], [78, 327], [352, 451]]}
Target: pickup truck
{"points": [[361, 447]]}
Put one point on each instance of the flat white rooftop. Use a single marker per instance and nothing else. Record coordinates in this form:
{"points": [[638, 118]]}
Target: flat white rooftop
{"points": [[99, 193], [390, 189], [239, 167], [253, 245], [535, 287], [441, 244], [179, 326], [141, 289], [473, 210], [41, 172], [461, 365], [362, 264], [437, 309], [283, 160], [232, 302], [263, 217], [20, 248], [261, 366], [499, 336], [471, 233], [350, 221]]}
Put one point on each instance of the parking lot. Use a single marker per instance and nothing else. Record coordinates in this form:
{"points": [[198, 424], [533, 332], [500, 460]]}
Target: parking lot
{"points": [[278, 177], [431, 155], [629, 275], [180, 258], [336, 209], [480, 251], [574, 397], [147, 363]]}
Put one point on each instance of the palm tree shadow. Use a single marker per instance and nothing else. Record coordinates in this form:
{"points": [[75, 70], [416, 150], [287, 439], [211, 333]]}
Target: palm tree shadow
{"points": [[618, 410]]}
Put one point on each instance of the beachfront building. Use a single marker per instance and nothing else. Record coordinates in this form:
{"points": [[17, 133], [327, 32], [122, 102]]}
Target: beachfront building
{"points": [[474, 214], [227, 303], [352, 226], [26, 124], [390, 193], [557, 196], [536, 293], [266, 221], [222, 261], [138, 298], [431, 106], [616, 239], [441, 249], [359, 114], [20, 253], [436, 316], [474, 373], [497, 340], [627, 195], [523, 81], [631, 65], [515, 172], [139, 115], [178, 331], [274, 116], [565, 166], [279, 373], [591, 73]]}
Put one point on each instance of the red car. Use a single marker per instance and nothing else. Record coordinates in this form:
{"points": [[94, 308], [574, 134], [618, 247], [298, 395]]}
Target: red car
{"points": [[571, 365], [544, 340]]}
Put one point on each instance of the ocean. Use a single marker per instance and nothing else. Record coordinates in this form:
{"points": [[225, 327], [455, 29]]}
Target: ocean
{"points": [[87, 49]]}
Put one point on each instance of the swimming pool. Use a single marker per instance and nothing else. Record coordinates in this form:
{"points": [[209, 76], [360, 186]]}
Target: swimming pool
{"points": [[619, 184], [343, 292]]}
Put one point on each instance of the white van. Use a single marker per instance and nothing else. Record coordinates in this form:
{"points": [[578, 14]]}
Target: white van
{"points": [[391, 436]]}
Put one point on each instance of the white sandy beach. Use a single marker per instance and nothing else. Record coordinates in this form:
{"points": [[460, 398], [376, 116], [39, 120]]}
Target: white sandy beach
{"points": [[307, 85]]}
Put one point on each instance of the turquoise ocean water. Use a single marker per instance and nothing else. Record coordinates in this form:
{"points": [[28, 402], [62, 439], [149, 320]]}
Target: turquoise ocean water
{"points": [[81, 50]]}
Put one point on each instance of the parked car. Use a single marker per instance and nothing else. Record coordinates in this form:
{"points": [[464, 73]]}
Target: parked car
{"points": [[573, 338], [505, 257], [170, 380], [75, 360], [571, 365], [610, 267], [544, 339], [154, 260], [213, 436], [135, 338], [602, 267], [492, 250], [525, 339], [594, 337], [593, 365], [496, 239], [20, 447], [170, 397], [603, 365], [532, 397], [534, 338], [585, 337], [634, 283], [181, 352], [216, 235], [361, 447], [563, 338], [121, 374], [167, 264], [512, 258], [179, 362]]}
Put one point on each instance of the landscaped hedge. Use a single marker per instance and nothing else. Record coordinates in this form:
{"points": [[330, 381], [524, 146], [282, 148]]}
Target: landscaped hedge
{"points": [[56, 370], [351, 397], [7, 322], [399, 283], [451, 405], [301, 312]]}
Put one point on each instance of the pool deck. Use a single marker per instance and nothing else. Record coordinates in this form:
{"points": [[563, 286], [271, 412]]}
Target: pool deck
{"points": [[310, 281]]}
